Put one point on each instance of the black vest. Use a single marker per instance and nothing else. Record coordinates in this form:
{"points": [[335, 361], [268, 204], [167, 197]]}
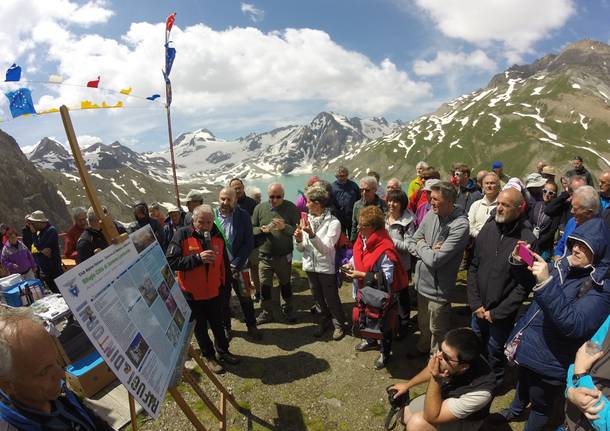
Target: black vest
{"points": [[479, 377]]}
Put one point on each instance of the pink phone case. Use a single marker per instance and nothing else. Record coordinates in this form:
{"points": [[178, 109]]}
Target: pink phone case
{"points": [[304, 217], [526, 255]]}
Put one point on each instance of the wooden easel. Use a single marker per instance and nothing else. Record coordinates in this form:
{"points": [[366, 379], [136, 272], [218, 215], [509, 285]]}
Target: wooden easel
{"points": [[112, 237]]}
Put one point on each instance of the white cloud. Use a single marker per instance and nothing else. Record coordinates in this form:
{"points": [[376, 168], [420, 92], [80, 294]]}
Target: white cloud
{"points": [[252, 12], [230, 68], [19, 19], [445, 62], [85, 141], [516, 24]]}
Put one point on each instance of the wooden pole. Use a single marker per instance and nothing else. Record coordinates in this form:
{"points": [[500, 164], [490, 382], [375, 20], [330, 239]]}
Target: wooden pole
{"points": [[132, 413], [193, 384], [108, 227], [171, 147], [186, 409]]}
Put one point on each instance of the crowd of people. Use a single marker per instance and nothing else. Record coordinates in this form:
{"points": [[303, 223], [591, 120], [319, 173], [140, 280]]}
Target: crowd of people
{"points": [[544, 239]]}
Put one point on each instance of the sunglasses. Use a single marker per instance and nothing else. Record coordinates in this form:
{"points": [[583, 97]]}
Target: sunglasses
{"points": [[275, 197], [447, 358], [549, 192]]}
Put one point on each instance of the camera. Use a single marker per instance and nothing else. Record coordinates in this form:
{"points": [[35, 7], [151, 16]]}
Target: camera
{"points": [[399, 402]]}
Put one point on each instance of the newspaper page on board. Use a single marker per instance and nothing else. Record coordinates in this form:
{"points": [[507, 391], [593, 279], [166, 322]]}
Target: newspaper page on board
{"points": [[129, 304]]}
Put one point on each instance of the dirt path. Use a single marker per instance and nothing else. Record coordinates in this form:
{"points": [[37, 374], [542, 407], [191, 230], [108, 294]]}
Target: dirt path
{"points": [[293, 381]]}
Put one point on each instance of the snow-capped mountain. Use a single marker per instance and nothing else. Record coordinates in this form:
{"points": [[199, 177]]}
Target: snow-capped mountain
{"points": [[552, 109], [50, 154]]}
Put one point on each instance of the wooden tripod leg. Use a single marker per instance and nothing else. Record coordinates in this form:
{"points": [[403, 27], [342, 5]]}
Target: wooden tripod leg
{"points": [[132, 413], [223, 412], [186, 376], [186, 409], [197, 358]]}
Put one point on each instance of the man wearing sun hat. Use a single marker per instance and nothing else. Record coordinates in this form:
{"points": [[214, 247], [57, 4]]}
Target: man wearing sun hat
{"points": [[549, 173], [47, 256], [173, 221], [534, 183]]}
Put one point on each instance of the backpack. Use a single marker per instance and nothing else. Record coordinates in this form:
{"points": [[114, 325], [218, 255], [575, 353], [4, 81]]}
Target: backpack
{"points": [[375, 313]]}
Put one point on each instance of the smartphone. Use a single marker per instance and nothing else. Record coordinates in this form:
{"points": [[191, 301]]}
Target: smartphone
{"points": [[303, 218], [525, 254], [344, 269]]}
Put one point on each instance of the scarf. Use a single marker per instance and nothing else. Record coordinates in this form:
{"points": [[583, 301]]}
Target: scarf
{"points": [[378, 243]]}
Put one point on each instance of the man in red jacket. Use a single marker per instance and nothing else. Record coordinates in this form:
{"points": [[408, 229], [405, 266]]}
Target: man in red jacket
{"points": [[197, 252], [79, 215]]}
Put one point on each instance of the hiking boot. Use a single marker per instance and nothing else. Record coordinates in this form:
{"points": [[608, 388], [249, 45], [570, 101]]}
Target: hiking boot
{"points": [[214, 365], [365, 346], [264, 317], [228, 334], [338, 334], [227, 358], [255, 333], [315, 309], [381, 361], [321, 329]]}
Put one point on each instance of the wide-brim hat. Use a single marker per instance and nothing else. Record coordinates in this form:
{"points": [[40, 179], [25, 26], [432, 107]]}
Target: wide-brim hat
{"points": [[549, 170], [172, 208], [534, 180], [38, 216], [194, 195]]}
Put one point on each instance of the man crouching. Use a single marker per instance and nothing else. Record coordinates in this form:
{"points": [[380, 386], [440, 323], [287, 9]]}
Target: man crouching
{"points": [[32, 392], [197, 252], [459, 390]]}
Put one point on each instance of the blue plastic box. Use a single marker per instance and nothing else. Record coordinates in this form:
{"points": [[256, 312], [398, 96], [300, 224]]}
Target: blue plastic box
{"points": [[12, 294]]}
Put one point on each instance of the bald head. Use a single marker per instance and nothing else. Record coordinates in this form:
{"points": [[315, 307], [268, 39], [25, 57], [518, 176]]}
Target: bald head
{"points": [[509, 207], [227, 199], [275, 191]]}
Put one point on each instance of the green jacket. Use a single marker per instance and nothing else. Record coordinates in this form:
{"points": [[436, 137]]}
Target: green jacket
{"points": [[275, 243]]}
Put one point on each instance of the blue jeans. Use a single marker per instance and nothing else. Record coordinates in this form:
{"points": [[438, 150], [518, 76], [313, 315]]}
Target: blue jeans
{"points": [[541, 393], [493, 337]]}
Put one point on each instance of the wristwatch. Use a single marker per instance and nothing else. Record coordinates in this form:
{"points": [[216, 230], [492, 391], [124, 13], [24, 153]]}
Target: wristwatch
{"points": [[577, 377]]}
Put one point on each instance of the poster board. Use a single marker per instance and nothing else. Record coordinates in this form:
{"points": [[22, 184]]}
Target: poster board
{"points": [[129, 304]]}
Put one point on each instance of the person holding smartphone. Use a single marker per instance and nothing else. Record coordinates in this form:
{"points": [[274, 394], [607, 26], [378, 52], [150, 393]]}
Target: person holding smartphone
{"points": [[571, 300], [315, 237]]}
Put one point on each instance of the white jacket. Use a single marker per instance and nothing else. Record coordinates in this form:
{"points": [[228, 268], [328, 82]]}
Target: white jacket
{"points": [[319, 251], [479, 214]]}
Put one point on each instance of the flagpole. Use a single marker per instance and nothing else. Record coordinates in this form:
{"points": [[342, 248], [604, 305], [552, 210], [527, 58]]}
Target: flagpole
{"points": [[168, 101]]}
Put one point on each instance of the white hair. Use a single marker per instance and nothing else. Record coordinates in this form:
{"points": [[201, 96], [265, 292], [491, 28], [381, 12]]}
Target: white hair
{"points": [[202, 209], [10, 318], [251, 191], [270, 186], [78, 211], [370, 181], [421, 164], [589, 198]]}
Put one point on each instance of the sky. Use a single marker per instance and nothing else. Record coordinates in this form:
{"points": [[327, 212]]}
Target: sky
{"points": [[252, 66]]}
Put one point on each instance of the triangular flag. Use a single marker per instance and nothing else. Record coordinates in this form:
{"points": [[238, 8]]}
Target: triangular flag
{"points": [[169, 23], [94, 84], [153, 97], [20, 102], [126, 91], [13, 73], [56, 79]]}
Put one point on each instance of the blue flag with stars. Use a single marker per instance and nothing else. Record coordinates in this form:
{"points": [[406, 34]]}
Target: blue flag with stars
{"points": [[20, 102], [13, 73]]}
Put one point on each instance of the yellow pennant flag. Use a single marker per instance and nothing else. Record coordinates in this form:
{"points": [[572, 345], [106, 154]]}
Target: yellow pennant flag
{"points": [[126, 91]]}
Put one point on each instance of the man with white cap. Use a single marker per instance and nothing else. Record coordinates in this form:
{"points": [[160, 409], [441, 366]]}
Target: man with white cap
{"points": [[193, 200], [47, 256], [173, 221]]}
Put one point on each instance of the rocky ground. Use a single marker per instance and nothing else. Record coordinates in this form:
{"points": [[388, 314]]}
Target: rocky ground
{"points": [[293, 381]]}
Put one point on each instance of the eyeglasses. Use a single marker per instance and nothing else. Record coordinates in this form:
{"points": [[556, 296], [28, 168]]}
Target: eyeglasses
{"points": [[548, 192], [447, 358], [275, 197]]}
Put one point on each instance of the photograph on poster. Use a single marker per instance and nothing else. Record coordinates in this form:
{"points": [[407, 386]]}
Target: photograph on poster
{"points": [[147, 290], [168, 276], [171, 305], [179, 319], [137, 350], [163, 290], [142, 239]]}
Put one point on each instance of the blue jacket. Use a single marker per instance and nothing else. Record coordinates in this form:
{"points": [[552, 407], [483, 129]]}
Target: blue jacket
{"points": [[561, 321], [243, 240], [599, 369], [48, 238], [567, 231], [345, 196]]}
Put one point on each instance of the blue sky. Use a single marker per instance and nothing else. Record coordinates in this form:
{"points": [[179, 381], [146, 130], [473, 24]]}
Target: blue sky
{"points": [[251, 66]]}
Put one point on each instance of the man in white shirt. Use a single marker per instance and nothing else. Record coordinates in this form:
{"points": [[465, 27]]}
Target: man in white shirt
{"points": [[481, 209]]}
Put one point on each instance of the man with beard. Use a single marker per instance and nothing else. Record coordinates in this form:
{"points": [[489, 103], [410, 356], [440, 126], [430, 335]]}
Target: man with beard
{"points": [[579, 169], [493, 294], [235, 226]]}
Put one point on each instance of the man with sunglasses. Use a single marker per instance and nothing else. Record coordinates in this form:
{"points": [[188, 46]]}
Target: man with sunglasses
{"points": [[274, 222], [368, 191], [460, 385]]}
